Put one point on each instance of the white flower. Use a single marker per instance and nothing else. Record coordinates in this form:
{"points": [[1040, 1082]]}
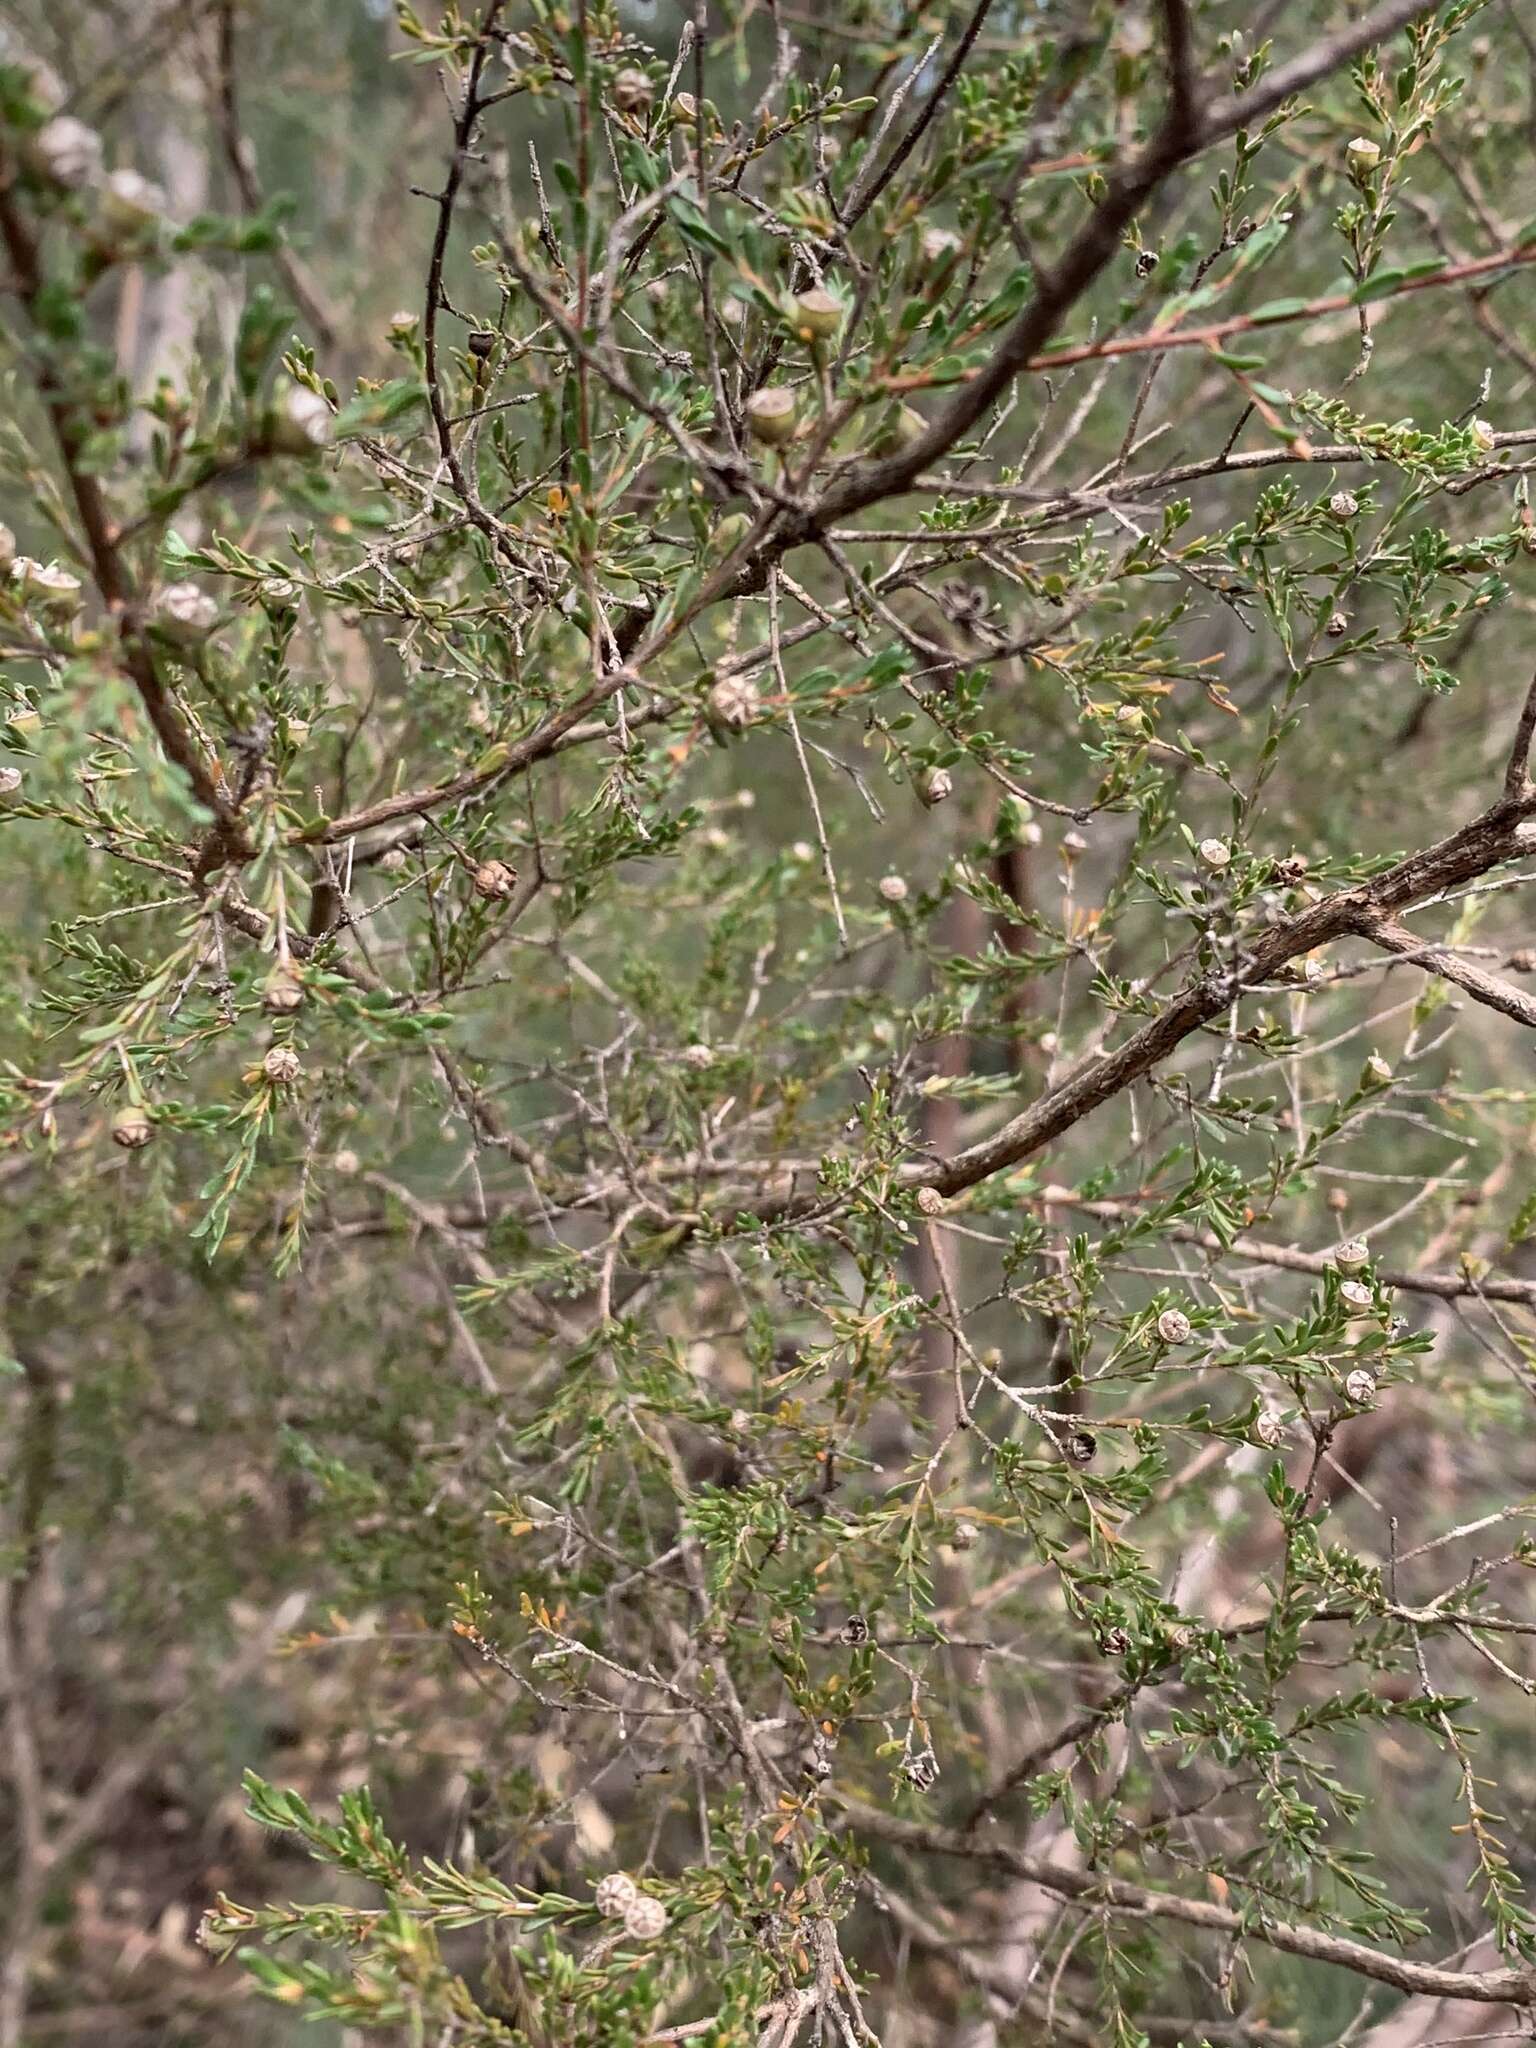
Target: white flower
{"points": [[10, 779], [893, 889]]}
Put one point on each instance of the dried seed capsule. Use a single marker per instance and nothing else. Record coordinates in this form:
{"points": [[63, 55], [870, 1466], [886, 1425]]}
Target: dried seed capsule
{"points": [[10, 779], [615, 1894], [963, 1536], [282, 993], [66, 152], [494, 880], [184, 613], [481, 343], [854, 1630], [282, 1066], [1269, 1428], [1360, 1386], [771, 416], [130, 203], [1357, 1298], [45, 585], [1173, 1326], [131, 1127], [645, 1919], [698, 1057], [301, 423], [934, 785], [1343, 506], [1352, 1253], [1483, 436], [893, 889], [1082, 1447], [1338, 626], [1215, 853], [632, 92], [929, 1202], [1362, 156], [734, 702]]}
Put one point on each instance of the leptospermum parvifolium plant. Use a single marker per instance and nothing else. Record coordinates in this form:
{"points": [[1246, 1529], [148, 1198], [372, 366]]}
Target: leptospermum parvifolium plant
{"points": [[764, 1052]]}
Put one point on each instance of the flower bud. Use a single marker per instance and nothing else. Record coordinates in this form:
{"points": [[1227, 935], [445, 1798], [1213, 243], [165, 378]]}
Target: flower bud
{"points": [[771, 416]]}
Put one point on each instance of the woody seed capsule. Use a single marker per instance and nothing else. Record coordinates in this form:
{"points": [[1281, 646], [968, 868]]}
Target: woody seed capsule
{"points": [[734, 702], [615, 1894], [1215, 853], [934, 786], [771, 416], [632, 92], [1360, 1386], [1343, 505], [494, 880], [645, 1918], [817, 314], [929, 1202], [131, 1127], [1353, 1253], [1357, 1298], [1173, 1326], [1362, 156], [283, 992]]}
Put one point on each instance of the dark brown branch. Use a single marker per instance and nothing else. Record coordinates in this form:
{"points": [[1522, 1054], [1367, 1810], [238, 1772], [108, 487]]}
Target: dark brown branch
{"points": [[1428, 1980]]}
